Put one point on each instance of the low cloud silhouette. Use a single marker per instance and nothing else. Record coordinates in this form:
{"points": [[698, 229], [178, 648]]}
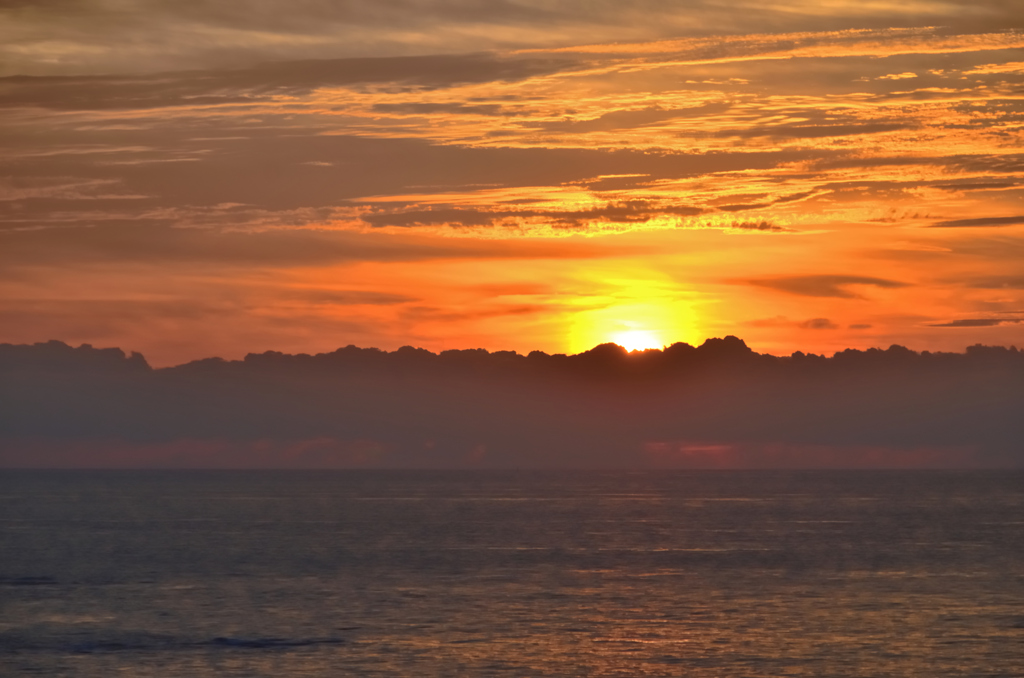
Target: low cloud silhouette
{"points": [[976, 223], [823, 285], [718, 405], [818, 324], [782, 321], [977, 322]]}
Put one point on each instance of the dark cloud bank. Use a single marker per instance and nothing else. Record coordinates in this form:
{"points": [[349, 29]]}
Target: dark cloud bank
{"points": [[717, 405]]}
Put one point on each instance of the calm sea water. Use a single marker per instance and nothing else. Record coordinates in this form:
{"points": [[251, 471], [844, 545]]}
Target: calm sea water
{"points": [[511, 573]]}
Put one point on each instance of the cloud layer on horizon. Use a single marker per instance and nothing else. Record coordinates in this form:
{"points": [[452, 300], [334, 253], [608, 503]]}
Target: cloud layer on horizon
{"points": [[718, 405]]}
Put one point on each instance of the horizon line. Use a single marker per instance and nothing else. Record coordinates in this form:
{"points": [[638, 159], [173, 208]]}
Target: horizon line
{"points": [[729, 341]]}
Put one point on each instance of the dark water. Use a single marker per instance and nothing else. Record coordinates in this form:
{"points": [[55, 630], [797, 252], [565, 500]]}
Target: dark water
{"points": [[519, 574]]}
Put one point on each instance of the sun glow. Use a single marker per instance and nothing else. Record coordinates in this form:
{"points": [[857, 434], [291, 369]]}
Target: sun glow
{"points": [[638, 340], [635, 325]]}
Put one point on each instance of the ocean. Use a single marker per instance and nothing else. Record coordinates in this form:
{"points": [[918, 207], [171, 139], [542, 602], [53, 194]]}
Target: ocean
{"points": [[517, 573]]}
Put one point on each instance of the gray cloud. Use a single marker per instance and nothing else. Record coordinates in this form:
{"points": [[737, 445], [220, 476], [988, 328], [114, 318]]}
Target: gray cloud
{"points": [[108, 318], [782, 321], [159, 35], [1006, 282], [344, 297], [983, 221], [1003, 248], [818, 324], [742, 207], [1010, 163], [977, 322], [222, 174], [816, 131], [631, 211], [763, 225], [162, 244], [977, 185], [823, 285], [415, 108], [857, 161], [250, 85]]}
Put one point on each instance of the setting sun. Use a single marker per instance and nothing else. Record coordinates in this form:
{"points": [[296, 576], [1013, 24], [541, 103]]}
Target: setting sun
{"points": [[637, 340], [651, 324], [633, 311]]}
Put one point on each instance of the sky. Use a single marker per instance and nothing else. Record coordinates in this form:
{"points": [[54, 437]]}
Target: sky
{"points": [[190, 179]]}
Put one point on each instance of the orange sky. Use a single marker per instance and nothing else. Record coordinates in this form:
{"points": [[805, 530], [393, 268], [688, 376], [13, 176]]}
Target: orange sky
{"points": [[807, 176]]}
